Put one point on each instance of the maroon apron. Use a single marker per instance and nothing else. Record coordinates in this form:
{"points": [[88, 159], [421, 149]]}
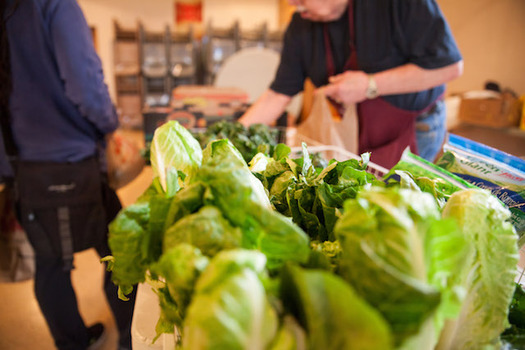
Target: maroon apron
{"points": [[384, 129]]}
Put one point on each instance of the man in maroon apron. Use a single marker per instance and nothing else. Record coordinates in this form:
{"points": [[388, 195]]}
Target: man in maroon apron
{"points": [[390, 57]]}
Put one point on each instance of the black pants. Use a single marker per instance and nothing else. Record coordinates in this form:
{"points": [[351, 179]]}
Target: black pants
{"points": [[57, 300]]}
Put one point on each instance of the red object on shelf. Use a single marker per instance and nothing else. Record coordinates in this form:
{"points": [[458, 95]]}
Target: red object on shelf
{"points": [[188, 11]]}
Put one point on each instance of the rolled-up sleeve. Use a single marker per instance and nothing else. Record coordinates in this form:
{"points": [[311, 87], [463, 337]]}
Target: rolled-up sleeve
{"points": [[425, 35], [290, 75], [80, 67]]}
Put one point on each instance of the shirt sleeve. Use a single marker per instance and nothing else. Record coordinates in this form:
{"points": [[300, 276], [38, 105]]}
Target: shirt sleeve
{"points": [[80, 67], [424, 34], [290, 75]]}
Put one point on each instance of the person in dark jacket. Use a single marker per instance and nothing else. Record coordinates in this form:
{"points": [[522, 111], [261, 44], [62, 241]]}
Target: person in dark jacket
{"points": [[58, 110], [389, 57]]}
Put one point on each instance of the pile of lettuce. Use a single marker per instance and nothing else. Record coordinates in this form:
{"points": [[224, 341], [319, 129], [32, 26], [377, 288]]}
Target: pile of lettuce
{"points": [[312, 196], [382, 266], [257, 138]]}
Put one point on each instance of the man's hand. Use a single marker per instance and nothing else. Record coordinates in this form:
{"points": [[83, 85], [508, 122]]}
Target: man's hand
{"points": [[266, 109], [348, 87]]}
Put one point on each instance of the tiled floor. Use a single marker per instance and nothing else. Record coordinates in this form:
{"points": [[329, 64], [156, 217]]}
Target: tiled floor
{"points": [[22, 326], [21, 323]]}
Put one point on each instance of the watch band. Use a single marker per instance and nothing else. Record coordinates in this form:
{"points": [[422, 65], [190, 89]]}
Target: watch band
{"points": [[371, 90]]}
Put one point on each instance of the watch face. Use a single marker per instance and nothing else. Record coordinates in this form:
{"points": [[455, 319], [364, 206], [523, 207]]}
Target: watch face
{"points": [[371, 91]]}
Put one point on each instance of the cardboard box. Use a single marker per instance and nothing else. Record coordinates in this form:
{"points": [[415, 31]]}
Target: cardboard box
{"points": [[522, 108], [490, 109]]}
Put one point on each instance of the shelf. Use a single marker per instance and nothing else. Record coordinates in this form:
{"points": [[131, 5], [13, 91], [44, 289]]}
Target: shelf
{"points": [[151, 64]]}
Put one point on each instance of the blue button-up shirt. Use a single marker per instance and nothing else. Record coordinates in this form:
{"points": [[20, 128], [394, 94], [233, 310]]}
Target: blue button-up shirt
{"points": [[60, 105]]}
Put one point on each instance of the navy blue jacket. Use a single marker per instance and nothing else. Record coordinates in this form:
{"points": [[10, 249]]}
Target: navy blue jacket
{"points": [[60, 106]]}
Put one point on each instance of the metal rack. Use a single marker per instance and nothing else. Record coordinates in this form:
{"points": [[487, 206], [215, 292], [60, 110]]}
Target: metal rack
{"points": [[127, 75], [149, 64]]}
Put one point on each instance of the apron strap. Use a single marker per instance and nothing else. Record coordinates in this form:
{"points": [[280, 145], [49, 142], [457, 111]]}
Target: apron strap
{"points": [[351, 63]]}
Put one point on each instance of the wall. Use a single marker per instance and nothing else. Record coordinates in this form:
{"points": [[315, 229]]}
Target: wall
{"points": [[156, 14], [491, 37]]}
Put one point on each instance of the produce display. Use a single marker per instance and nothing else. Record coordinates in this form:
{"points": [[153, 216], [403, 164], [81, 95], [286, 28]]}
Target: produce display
{"points": [[257, 138], [494, 170], [282, 254]]}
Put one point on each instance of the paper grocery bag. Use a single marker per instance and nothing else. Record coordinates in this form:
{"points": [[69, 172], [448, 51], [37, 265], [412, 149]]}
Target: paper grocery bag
{"points": [[324, 127]]}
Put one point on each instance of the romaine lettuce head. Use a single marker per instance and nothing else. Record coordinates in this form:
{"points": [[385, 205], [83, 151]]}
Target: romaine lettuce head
{"points": [[243, 202], [173, 147], [222, 151], [230, 309], [333, 315], [392, 245], [279, 238], [187, 201], [490, 270], [207, 230], [179, 267], [223, 165], [127, 237]]}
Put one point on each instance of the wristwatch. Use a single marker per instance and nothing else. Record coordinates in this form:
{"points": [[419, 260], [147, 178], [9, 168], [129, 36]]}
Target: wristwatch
{"points": [[371, 90]]}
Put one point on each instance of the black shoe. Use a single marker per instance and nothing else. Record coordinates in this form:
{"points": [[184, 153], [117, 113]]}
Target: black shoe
{"points": [[97, 336]]}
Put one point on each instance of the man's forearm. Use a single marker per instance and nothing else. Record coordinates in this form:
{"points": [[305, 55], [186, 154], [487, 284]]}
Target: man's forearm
{"points": [[350, 86], [266, 109], [411, 78]]}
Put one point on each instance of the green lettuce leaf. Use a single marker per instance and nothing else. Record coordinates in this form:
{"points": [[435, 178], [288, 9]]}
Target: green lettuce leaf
{"points": [[127, 237], [220, 158], [230, 309], [174, 148], [207, 230], [490, 270], [290, 336], [243, 201], [180, 267], [332, 313], [402, 259]]}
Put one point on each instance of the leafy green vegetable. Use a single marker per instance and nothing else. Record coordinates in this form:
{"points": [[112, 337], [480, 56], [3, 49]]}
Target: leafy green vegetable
{"points": [[399, 256], [180, 267], [332, 314], [290, 336], [490, 270], [207, 230], [514, 336], [127, 236], [380, 266], [517, 308], [223, 164], [230, 309], [312, 197], [173, 148], [500, 173], [159, 207], [257, 138], [243, 201], [326, 255]]}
